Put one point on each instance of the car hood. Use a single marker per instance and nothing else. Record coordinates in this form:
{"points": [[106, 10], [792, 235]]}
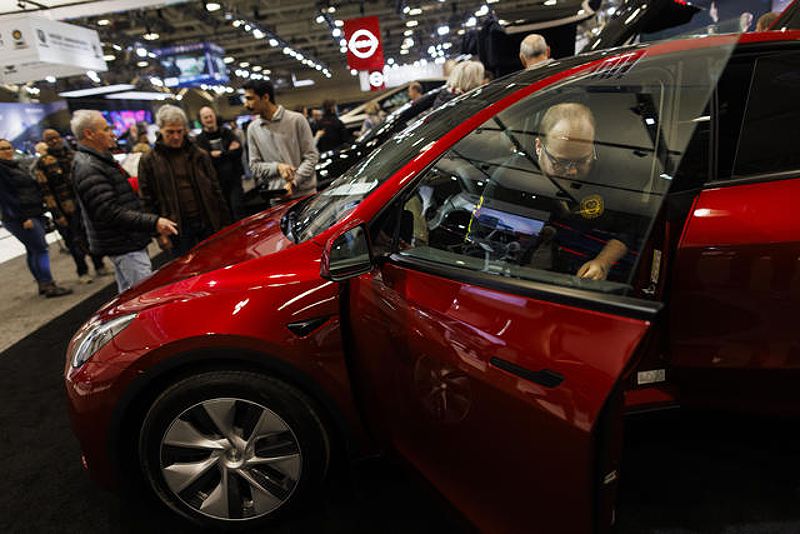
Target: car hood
{"points": [[254, 237]]}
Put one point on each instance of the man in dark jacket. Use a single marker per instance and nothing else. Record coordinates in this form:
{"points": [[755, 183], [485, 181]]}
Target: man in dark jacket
{"points": [[23, 210], [178, 181], [116, 224], [226, 154], [53, 172], [336, 133]]}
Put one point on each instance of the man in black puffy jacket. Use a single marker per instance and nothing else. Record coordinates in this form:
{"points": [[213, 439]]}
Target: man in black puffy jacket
{"points": [[116, 224]]}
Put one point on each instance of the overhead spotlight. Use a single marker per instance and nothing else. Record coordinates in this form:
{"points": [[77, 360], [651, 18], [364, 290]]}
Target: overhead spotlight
{"points": [[212, 6], [247, 27], [273, 42], [406, 10], [343, 42], [257, 68], [336, 32], [404, 51], [236, 23], [228, 60], [103, 22], [390, 61], [109, 57], [412, 23], [338, 23], [354, 72], [471, 22], [117, 47], [150, 36], [258, 34], [443, 29], [331, 9], [343, 49], [414, 12], [550, 2], [484, 10], [142, 64], [408, 33], [141, 52], [244, 64], [320, 19], [286, 50]]}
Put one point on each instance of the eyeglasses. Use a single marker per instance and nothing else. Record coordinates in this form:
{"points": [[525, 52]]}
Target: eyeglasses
{"points": [[565, 164]]}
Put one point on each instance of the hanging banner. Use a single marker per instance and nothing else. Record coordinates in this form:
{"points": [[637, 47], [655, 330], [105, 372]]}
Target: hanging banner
{"points": [[33, 47], [364, 47]]}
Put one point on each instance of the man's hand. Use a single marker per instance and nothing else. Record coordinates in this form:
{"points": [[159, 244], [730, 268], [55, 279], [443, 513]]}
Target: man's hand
{"points": [[164, 242], [166, 227], [61, 221], [286, 171], [28, 224], [216, 153], [594, 270], [289, 186], [235, 145]]}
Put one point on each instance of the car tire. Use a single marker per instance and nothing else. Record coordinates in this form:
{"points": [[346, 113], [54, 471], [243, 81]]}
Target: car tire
{"points": [[231, 449]]}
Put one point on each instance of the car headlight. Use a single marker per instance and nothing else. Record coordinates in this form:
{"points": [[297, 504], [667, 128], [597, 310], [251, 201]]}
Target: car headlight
{"points": [[94, 337]]}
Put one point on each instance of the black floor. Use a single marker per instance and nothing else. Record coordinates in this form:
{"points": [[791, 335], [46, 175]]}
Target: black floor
{"points": [[683, 473]]}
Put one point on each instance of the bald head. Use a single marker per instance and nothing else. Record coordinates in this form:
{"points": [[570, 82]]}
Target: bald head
{"points": [[533, 50], [565, 145]]}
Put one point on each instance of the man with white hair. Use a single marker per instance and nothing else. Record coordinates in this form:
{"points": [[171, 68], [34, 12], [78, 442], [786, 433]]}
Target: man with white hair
{"points": [[116, 224], [533, 51], [178, 181]]}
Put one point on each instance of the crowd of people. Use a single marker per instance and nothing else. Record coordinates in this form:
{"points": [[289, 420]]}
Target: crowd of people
{"points": [[179, 189]]}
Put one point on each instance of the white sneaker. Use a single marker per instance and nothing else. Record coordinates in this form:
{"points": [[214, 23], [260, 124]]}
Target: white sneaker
{"points": [[85, 279]]}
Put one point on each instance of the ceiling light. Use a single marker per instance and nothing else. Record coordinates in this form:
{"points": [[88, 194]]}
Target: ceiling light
{"points": [[142, 64], [331, 9], [103, 22], [273, 42], [244, 64], [258, 34], [140, 95], [212, 6], [443, 30], [338, 23], [257, 68], [343, 49], [151, 36], [141, 52], [484, 10], [412, 23], [109, 57], [390, 61], [461, 32], [414, 12], [95, 90], [320, 19], [408, 33], [406, 9], [550, 2], [286, 50], [236, 23], [228, 60], [354, 72], [117, 47], [336, 32], [492, 1], [471, 22], [404, 51], [408, 42]]}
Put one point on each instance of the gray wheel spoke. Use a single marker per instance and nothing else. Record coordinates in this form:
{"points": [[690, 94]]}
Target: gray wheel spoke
{"points": [[217, 502], [222, 412], [180, 476], [268, 423], [285, 463], [263, 499], [184, 434]]}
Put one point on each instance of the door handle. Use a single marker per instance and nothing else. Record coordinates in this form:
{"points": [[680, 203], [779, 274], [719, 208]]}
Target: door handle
{"points": [[544, 377]]}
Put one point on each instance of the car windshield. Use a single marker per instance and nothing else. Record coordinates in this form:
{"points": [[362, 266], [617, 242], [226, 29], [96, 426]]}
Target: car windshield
{"points": [[346, 192]]}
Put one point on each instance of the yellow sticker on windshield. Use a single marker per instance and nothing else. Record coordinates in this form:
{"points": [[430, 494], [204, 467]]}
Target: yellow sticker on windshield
{"points": [[592, 207]]}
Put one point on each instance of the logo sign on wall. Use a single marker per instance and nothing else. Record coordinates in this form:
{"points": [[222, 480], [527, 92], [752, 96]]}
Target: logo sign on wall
{"points": [[364, 47]]}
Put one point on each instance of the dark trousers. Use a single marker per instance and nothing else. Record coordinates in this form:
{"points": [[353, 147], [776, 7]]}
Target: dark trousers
{"points": [[35, 247], [72, 237], [234, 197], [190, 233]]}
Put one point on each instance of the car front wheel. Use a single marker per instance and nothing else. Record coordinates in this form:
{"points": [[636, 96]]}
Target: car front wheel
{"points": [[230, 448]]}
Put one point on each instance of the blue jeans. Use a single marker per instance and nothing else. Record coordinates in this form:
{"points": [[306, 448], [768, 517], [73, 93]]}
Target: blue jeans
{"points": [[131, 268], [35, 247]]}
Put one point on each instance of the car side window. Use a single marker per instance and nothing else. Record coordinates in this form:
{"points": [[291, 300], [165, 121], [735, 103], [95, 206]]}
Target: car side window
{"points": [[559, 188], [771, 126]]}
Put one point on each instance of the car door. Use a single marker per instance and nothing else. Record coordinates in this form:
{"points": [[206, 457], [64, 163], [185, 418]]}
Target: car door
{"points": [[734, 342], [479, 354]]}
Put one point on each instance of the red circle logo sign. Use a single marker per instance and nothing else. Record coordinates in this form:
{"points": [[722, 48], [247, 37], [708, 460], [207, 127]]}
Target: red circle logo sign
{"points": [[363, 43]]}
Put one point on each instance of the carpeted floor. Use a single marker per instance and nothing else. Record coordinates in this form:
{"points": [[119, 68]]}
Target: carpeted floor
{"points": [[683, 473]]}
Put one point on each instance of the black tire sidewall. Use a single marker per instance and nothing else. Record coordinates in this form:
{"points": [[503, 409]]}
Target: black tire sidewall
{"points": [[294, 407]]}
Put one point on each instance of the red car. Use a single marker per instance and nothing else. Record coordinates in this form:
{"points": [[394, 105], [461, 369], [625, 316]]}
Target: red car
{"points": [[487, 294]]}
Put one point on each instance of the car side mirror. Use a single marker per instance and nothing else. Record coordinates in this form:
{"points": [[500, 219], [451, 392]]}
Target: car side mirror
{"points": [[347, 255]]}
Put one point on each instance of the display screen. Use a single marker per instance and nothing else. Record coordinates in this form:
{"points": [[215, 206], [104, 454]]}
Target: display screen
{"points": [[121, 120], [193, 65]]}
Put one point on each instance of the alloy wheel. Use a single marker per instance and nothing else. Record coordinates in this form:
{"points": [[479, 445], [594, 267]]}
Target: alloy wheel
{"points": [[230, 459]]}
